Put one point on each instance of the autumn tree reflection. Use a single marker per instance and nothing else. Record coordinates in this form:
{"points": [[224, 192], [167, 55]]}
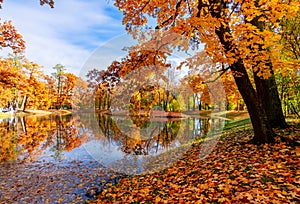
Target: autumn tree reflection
{"points": [[8, 140], [26, 138], [145, 136]]}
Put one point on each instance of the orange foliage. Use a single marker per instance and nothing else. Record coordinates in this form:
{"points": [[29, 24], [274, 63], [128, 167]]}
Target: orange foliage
{"points": [[9, 37]]}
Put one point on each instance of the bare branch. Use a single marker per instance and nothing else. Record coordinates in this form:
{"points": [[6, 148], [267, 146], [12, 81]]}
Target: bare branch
{"points": [[223, 71]]}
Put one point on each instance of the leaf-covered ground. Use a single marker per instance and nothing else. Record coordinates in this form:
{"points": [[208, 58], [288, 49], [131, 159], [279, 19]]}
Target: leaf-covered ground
{"points": [[40, 182], [235, 171]]}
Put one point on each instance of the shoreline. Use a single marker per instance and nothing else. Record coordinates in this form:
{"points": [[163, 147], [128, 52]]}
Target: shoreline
{"points": [[153, 114], [35, 113]]}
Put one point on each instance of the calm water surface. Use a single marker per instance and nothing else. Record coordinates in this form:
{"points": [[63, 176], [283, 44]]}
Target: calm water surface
{"points": [[73, 156]]}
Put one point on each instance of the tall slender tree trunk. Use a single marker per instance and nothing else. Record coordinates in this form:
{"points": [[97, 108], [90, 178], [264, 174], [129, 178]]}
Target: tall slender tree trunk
{"points": [[108, 100], [24, 102]]}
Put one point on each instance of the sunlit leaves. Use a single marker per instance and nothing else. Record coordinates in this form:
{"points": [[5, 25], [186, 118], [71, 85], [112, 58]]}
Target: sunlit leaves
{"points": [[256, 46], [9, 81], [241, 35], [289, 32], [68, 90], [9, 37]]}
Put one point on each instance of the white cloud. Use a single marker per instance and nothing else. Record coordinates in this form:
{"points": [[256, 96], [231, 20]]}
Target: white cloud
{"points": [[67, 34], [108, 52]]}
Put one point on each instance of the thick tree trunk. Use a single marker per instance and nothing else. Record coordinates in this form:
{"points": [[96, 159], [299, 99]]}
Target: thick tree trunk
{"points": [[262, 129], [267, 88], [268, 94], [263, 132]]}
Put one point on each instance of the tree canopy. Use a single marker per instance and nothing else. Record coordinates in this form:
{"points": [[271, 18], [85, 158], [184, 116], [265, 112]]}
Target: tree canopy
{"points": [[241, 35]]}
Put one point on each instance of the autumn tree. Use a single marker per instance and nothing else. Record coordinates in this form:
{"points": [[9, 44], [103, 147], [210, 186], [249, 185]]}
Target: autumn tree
{"points": [[22, 83], [101, 84], [94, 78], [59, 75], [81, 96], [288, 81], [9, 82], [10, 37], [68, 87], [233, 96], [237, 34], [136, 71], [33, 88], [289, 32], [199, 90], [51, 90]]}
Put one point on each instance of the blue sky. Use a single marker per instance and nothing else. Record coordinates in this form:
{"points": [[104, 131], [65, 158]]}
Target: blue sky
{"points": [[69, 34]]}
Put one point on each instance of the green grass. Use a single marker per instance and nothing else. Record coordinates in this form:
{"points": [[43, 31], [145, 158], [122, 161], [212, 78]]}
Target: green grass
{"points": [[239, 123]]}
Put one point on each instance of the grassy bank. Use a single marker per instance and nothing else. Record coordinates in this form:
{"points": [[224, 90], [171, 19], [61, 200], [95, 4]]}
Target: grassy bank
{"points": [[242, 123]]}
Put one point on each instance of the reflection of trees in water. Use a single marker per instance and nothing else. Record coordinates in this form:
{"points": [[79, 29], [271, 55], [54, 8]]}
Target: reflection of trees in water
{"points": [[200, 126], [161, 135], [135, 143], [29, 136], [8, 140], [66, 134]]}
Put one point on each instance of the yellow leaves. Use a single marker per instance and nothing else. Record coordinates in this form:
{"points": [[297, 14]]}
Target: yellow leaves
{"points": [[158, 199], [205, 10], [188, 20], [145, 191], [276, 10]]}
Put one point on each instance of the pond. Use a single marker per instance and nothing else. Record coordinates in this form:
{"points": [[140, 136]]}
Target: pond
{"points": [[72, 157]]}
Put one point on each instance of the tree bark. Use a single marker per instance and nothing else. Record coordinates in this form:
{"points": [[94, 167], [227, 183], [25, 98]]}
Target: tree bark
{"points": [[266, 89], [268, 94], [263, 132]]}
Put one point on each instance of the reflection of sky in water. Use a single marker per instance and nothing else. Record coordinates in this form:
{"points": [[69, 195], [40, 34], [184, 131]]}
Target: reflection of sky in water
{"points": [[103, 152], [79, 154], [110, 154]]}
